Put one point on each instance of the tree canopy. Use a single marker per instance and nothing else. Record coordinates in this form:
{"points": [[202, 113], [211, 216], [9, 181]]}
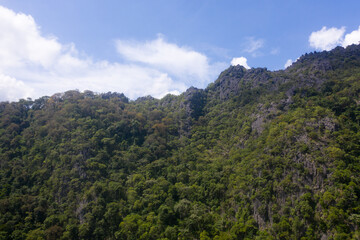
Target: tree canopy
{"points": [[255, 155]]}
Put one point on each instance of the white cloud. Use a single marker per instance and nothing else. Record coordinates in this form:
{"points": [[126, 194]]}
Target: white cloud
{"points": [[253, 44], [352, 38], [288, 63], [242, 61], [179, 61], [21, 42], [33, 65], [130, 79], [326, 39], [12, 89], [275, 51], [329, 38]]}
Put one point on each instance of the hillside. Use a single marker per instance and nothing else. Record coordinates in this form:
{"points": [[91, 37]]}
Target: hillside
{"points": [[256, 155]]}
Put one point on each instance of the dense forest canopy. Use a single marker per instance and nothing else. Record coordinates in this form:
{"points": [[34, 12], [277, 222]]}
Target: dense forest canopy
{"points": [[256, 155]]}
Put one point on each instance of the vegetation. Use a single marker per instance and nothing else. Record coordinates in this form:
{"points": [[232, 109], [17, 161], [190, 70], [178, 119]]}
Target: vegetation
{"points": [[256, 155]]}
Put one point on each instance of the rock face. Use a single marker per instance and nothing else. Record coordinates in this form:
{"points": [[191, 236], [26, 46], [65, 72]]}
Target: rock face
{"points": [[310, 70], [193, 106], [119, 96], [328, 60], [236, 79], [228, 81], [194, 102]]}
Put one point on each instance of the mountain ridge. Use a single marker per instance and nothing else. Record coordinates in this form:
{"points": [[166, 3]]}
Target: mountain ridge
{"points": [[257, 154]]}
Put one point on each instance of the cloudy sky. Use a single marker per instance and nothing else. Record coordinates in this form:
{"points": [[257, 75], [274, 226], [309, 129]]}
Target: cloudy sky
{"points": [[142, 47]]}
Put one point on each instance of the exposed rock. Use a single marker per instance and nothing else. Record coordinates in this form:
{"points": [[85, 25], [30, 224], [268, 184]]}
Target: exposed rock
{"points": [[120, 96], [193, 104], [228, 81]]}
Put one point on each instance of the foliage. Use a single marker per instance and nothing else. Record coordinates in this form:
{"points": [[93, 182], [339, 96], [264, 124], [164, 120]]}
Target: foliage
{"points": [[256, 155]]}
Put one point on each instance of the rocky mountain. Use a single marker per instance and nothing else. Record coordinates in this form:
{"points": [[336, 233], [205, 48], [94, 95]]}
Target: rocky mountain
{"points": [[258, 154]]}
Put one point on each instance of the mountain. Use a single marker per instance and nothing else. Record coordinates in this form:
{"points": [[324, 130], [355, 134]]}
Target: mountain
{"points": [[258, 154]]}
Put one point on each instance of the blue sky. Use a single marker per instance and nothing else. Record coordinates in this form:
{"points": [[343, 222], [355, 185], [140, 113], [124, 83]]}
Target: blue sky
{"points": [[160, 46]]}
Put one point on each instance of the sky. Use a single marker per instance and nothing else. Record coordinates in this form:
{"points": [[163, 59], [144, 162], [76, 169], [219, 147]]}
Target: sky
{"points": [[142, 47]]}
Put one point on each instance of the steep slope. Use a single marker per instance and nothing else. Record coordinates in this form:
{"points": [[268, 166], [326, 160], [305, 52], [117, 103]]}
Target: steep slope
{"points": [[257, 154]]}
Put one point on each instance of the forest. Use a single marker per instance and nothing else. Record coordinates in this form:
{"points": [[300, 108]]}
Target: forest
{"points": [[258, 154]]}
